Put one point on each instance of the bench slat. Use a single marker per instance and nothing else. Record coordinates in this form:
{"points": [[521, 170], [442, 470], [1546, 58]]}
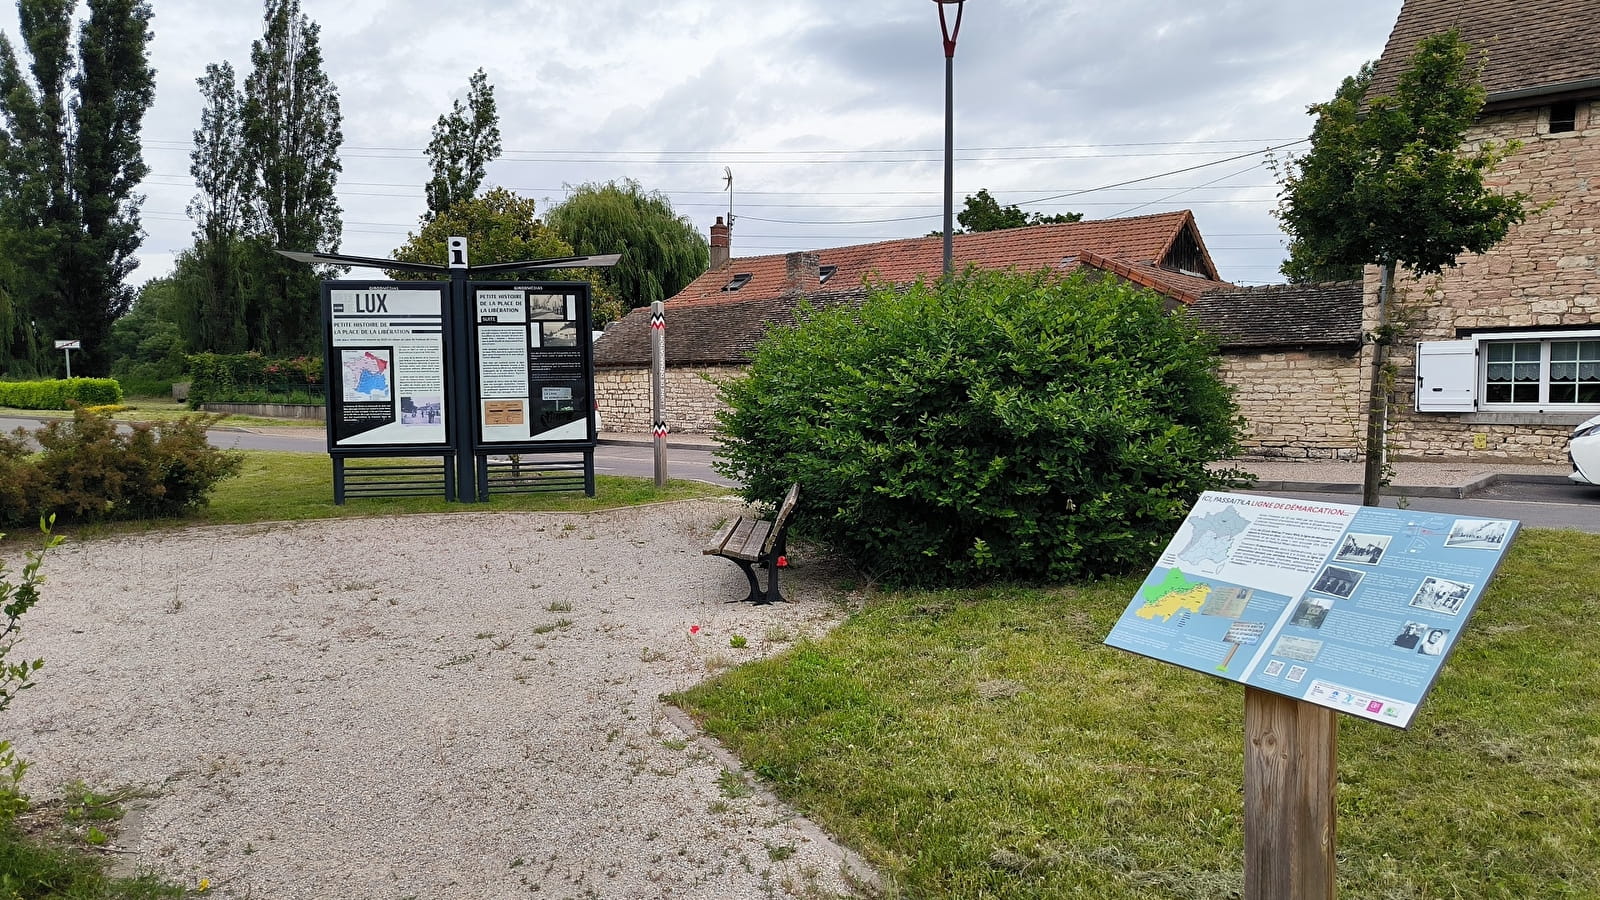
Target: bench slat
{"points": [[741, 533], [781, 520], [754, 541], [720, 539]]}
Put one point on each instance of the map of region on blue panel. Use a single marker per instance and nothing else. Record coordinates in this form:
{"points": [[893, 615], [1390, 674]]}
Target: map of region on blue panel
{"points": [[1350, 607]]}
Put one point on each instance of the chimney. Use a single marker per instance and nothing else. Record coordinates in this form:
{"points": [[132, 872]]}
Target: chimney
{"points": [[800, 273], [721, 245]]}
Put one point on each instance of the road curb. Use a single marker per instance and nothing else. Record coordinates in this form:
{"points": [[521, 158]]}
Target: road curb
{"points": [[671, 444], [1461, 491]]}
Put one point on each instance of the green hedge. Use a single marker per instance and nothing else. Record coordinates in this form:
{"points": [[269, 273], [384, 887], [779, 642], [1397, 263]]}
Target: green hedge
{"points": [[60, 394], [253, 378]]}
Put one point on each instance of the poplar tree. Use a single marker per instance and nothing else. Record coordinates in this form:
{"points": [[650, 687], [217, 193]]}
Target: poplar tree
{"points": [[290, 126], [209, 278], [69, 165], [1388, 182], [465, 141]]}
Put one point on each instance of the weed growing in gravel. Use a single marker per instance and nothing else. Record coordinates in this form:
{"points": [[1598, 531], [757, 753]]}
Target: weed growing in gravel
{"points": [[779, 852], [648, 655], [737, 641], [733, 785], [559, 606]]}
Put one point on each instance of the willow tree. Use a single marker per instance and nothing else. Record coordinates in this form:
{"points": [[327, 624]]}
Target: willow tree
{"points": [[1387, 182], [661, 251]]}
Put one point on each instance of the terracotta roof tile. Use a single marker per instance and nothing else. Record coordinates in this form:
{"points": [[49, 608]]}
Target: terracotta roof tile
{"points": [[707, 325], [1139, 239], [1183, 288], [1283, 315], [1532, 44]]}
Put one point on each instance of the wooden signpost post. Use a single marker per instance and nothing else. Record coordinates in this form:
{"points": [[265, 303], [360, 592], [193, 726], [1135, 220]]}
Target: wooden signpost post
{"points": [[1315, 608], [658, 388], [1290, 764]]}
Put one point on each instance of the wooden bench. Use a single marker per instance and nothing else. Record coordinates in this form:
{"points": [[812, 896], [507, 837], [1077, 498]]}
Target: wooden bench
{"points": [[752, 542]]}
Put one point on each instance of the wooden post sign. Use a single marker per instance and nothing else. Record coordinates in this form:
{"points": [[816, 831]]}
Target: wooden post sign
{"points": [[658, 388], [1316, 608]]}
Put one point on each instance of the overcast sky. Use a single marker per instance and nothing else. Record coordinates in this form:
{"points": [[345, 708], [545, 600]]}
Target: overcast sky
{"points": [[829, 113]]}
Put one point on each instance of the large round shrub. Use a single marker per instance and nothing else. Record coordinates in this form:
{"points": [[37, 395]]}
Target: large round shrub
{"points": [[995, 425]]}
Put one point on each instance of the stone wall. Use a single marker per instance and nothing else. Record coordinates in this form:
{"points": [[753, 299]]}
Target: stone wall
{"points": [[1299, 404], [1545, 274], [692, 399]]}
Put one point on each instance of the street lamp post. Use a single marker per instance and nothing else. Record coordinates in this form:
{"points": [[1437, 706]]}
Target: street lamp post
{"points": [[950, 32]]}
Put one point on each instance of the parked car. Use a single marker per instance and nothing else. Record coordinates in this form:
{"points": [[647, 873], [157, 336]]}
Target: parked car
{"points": [[1583, 448]]}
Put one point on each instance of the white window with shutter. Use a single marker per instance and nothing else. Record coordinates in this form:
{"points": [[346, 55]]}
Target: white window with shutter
{"points": [[1447, 376]]}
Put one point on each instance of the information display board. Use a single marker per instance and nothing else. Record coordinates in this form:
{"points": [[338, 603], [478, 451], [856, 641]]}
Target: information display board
{"points": [[386, 364], [535, 380], [1354, 608]]}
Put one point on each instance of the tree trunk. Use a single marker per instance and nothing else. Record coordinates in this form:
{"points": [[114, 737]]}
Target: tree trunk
{"points": [[1378, 395]]}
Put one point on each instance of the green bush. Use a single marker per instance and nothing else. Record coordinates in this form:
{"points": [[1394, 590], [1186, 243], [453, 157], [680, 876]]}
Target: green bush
{"points": [[90, 471], [997, 425], [253, 378], [140, 386], [60, 393]]}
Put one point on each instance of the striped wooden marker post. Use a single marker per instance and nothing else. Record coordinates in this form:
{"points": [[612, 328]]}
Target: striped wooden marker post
{"points": [[658, 388]]}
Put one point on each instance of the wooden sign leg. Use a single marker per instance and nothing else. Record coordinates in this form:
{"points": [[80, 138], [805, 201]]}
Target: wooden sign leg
{"points": [[1290, 763]]}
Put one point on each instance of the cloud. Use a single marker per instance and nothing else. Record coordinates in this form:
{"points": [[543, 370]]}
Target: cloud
{"points": [[827, 112]]}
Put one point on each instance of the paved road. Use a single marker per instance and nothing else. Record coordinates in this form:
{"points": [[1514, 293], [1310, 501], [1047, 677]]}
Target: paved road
{"points": [[1539, 505], [609, 459]]}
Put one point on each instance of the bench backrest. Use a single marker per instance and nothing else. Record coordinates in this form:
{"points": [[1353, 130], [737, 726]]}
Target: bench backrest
{"points": [[781, 520]]}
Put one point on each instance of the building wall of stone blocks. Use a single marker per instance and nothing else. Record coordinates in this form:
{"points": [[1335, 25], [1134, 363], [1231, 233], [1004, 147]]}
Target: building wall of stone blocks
{"points": [[692, 398], [1545, 274], [1298, 404]]}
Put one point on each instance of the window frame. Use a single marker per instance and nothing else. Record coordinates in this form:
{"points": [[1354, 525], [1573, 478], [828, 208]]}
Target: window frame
{"points": [[1544, 339]]}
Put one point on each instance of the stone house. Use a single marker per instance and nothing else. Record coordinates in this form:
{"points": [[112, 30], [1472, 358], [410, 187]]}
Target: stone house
{"points": [[1502, 357], [1293, 355], [715, 321]]}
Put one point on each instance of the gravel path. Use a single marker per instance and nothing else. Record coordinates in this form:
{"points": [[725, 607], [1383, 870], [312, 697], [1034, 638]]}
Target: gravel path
{"points": [[460, 706]]}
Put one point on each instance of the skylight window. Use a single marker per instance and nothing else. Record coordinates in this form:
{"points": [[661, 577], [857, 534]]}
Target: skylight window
{"points": [[825, 272], [739, 281]]}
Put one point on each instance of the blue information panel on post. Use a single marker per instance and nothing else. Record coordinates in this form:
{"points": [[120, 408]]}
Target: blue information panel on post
{"points": [[1350, 607]]}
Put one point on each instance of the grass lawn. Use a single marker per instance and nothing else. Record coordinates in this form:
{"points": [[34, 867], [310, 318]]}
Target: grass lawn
{"points": [[280, 486], [986, 744], [54, 850]]}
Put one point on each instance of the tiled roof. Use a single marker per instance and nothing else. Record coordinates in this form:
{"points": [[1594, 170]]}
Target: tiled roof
{"points": [[1178, 286], [1532, 44], [701, 334], [1138, 239], [707, 325], [1283, 315]]}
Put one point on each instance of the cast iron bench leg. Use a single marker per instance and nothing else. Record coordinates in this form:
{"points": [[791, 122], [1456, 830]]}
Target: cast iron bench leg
{"points": [[755, 586], [778, 551]]}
